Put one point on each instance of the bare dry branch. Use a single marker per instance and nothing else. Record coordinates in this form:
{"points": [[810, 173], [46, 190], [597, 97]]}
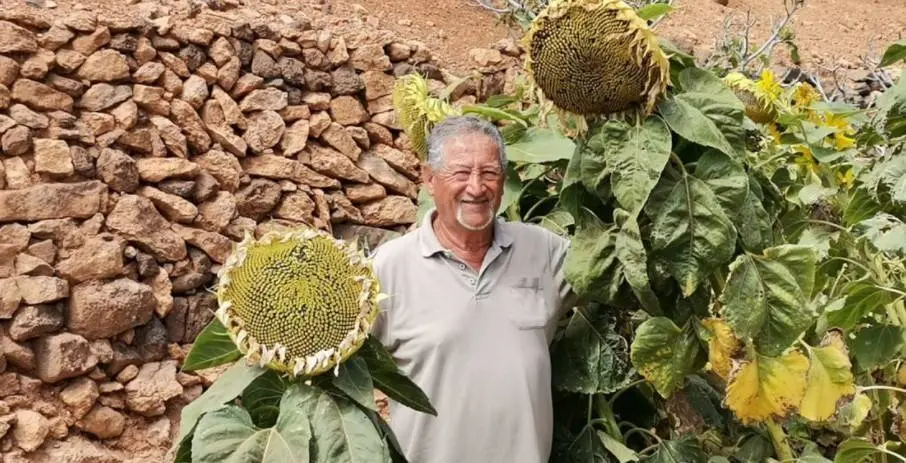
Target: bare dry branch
{"points": [[791, 6]]}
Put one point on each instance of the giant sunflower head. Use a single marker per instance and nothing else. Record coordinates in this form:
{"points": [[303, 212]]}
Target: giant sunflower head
{"points": [[595, 58], [417, 111], [299, 302]]}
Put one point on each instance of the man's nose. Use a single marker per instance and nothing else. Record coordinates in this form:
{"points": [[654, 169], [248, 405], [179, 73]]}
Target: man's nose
{"points": [[475, 185]]}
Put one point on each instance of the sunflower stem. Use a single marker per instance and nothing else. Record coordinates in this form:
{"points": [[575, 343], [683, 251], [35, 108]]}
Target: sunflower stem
{"points": [[779, 440]]}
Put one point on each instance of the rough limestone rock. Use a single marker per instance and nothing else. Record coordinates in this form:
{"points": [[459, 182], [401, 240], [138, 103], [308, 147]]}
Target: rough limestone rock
{"points": [[137, 147], [101, 309], [155, 384], [80, 395], [52, 201], [100, 257], [62, 356], [136, 219], [31, 428]]}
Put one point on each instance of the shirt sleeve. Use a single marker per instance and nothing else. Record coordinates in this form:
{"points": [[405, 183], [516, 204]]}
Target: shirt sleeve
{"points": [[381, 327], [567, 297]]}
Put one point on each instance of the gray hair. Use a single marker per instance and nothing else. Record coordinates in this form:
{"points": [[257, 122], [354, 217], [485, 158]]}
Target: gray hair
{"points": [[461, 125]]}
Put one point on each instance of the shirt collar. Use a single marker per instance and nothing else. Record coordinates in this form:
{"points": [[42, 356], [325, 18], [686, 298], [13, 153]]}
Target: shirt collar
{"points": [[429, 244]]}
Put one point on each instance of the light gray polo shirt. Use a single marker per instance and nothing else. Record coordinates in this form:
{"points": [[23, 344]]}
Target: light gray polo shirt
{"points": [[475, 342]]}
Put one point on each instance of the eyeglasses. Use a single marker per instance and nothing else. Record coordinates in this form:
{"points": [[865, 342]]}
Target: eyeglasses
{"points": [[462, 175]]}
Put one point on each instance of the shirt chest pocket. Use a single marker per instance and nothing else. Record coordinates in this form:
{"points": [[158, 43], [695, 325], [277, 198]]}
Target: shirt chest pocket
{"points": [[525, 302]]}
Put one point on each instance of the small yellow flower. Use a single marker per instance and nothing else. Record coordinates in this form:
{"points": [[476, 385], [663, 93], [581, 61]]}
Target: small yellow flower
{"points": [[805, 95], [843, 141], [805, 159], [846, 179], [842, 138], [768, 88]]}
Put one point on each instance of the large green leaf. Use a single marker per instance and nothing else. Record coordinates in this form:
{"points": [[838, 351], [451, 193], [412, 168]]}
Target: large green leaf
{"points": [[665, 353], [387, 378], [862, 298], [683, 450], [540, 145], [654, 10], [631, 253], [706, 401], [226, 388], [893, 240], [590, 357], [557, 221], [635, 155], [262, 398], [800, 260], [726, 177], [228, 434], [890, 177], [875, 345], [584, 447], [894, 53], [764, 299], [512, 187], [573, 194], [855, 450], [692, 235], [755, 449], [589, 164], [622, 453], [212, 347], [395, 452], [591, 266], [355, 380], [706, 112], [738, 195], [754, 224], [343, 432]]}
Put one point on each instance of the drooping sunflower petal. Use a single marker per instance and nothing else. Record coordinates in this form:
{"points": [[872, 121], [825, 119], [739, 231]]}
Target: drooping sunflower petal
{"points": [[299, 302]]}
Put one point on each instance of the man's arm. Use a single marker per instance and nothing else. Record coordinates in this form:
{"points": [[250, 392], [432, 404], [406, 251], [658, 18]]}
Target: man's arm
{"points": [[381, 327], [568, 298]]}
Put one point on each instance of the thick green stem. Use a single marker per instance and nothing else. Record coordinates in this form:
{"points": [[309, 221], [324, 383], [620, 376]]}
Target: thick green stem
{"points": [[778, 438], [602, 405]]}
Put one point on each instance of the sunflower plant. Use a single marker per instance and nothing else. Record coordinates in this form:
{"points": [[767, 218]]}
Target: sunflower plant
{"points": [[292, 329], [737, 244]]}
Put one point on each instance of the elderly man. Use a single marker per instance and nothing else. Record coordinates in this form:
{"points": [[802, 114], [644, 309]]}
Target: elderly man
{"points": [[472, 309]]}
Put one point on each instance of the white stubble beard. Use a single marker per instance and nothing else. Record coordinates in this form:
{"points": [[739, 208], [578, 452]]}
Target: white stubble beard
{"points": [[464, 224]]}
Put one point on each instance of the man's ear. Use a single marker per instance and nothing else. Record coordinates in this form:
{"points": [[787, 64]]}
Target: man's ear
{"points": [[428, 178]]}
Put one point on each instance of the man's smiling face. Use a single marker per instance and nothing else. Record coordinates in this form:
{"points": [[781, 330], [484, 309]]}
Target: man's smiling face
{"points": [[468, 185]]}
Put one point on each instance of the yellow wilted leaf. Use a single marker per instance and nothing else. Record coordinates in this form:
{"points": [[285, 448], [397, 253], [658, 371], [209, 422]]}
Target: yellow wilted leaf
{"points": [[901, 375], [767, 387], [721, 346], [854, 413], [829, 379]]}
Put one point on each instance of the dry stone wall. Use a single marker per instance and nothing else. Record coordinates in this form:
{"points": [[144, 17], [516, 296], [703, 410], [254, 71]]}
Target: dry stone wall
{"points": [[134, 151]]}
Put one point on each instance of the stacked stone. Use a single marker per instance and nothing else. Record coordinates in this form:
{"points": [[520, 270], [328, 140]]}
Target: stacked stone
{"points": [[133, 154]]}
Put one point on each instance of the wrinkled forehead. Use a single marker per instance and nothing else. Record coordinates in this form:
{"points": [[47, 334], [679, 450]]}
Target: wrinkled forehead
{"points": [[472, 150]]}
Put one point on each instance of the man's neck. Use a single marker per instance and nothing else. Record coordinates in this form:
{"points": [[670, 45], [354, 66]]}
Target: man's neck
{"points": [[470, 246]]}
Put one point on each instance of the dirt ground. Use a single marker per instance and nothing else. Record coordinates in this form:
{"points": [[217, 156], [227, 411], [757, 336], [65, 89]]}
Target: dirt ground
{"points": [[829, 33]]}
